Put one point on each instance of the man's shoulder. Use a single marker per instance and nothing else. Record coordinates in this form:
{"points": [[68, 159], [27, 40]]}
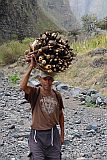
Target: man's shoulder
{"points": [[33, 89], [57, 93], [59, 97]]}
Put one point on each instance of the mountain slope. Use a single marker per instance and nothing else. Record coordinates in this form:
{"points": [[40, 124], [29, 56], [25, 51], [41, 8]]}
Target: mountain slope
{"points": [[60, 13], [44, 23], [87, 72], [17, 18], [20, 19]]}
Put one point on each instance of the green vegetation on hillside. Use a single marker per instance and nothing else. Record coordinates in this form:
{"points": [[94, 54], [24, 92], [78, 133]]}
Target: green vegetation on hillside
{"points": [[88, 45], [81, 73], [14, 78], [11, 51]]}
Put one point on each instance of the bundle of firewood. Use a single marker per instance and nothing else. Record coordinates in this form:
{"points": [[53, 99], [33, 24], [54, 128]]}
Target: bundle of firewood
{"points": [[52, 53]]}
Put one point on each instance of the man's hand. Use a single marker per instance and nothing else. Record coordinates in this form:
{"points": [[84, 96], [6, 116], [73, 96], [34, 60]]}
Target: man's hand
{"points": [[33, 62], [30, 58]]}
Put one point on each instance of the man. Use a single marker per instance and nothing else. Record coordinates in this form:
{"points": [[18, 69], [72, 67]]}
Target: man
{"points": [[45, 140]]}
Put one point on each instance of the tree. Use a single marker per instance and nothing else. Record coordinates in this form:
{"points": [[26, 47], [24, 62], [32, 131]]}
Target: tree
{"points": [[89, 23], [74, 33], [103, 24]]}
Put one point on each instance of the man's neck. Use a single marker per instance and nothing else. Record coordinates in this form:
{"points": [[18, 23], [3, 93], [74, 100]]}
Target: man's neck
{"points": [[46, 92]]}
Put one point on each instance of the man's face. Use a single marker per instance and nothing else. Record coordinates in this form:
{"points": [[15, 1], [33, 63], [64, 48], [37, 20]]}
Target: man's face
{"points": [[46, 82]]}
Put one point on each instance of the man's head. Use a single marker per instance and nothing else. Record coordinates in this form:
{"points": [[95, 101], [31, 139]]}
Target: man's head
{"points": [[45, 76], [45, 80]]}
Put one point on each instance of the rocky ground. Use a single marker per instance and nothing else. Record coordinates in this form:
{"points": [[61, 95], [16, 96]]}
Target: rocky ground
{"points": [[85, 127]]}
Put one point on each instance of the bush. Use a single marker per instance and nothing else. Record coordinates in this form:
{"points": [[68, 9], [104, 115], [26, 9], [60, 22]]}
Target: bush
{"points": [[11, 51], [14, 78]]}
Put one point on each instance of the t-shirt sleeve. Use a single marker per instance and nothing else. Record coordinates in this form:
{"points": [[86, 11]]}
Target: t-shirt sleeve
{"points": [[29, 97]]}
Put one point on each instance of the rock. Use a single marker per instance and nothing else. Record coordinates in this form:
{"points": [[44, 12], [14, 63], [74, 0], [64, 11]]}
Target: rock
{"points": [[81, 97], [13, 158], [75, 92], [105, 100], [88, 99], [62, 87], [91, 91], [1, 142], [56, 83], [23, 101], [98, 51], [78, 121], [91, 127], [94, 97], [99, 101], [82, 103], [12, 127], [34, 83], [81, 158], [66, 97], [25, 135]]}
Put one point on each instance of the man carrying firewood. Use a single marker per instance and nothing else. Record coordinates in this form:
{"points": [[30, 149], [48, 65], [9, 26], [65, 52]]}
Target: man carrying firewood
{"points": [[47, 112]]}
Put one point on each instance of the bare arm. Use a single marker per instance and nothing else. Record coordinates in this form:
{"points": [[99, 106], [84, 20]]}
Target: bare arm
{"points": [[61, 123], [24, 82]]}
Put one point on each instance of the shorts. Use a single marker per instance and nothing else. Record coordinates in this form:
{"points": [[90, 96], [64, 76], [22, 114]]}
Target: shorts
{"points": [[45, 145]]}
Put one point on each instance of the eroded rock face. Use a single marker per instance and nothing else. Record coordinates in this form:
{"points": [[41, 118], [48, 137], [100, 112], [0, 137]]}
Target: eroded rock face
{"points": [[17, 18], [61, 13]]}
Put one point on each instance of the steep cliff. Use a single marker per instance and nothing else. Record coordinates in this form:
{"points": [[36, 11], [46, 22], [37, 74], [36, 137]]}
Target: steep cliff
{"points": [[17, 18], [22, 18], [27, 18], [60, 12]]}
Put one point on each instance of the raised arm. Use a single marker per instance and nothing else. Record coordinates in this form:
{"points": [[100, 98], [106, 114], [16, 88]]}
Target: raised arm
{"points": [[24, 82]]}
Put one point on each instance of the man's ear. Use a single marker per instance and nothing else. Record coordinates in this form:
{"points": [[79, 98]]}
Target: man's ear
{"points": [[39, 78]]}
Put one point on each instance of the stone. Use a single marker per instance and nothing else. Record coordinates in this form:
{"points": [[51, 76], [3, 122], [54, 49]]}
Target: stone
{"points": [[93, 127], [81, 158], [62, 87], [12, 127]]}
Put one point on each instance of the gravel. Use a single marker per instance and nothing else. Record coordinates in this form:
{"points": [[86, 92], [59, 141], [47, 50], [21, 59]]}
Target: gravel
{"points": [[85, 127]]}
